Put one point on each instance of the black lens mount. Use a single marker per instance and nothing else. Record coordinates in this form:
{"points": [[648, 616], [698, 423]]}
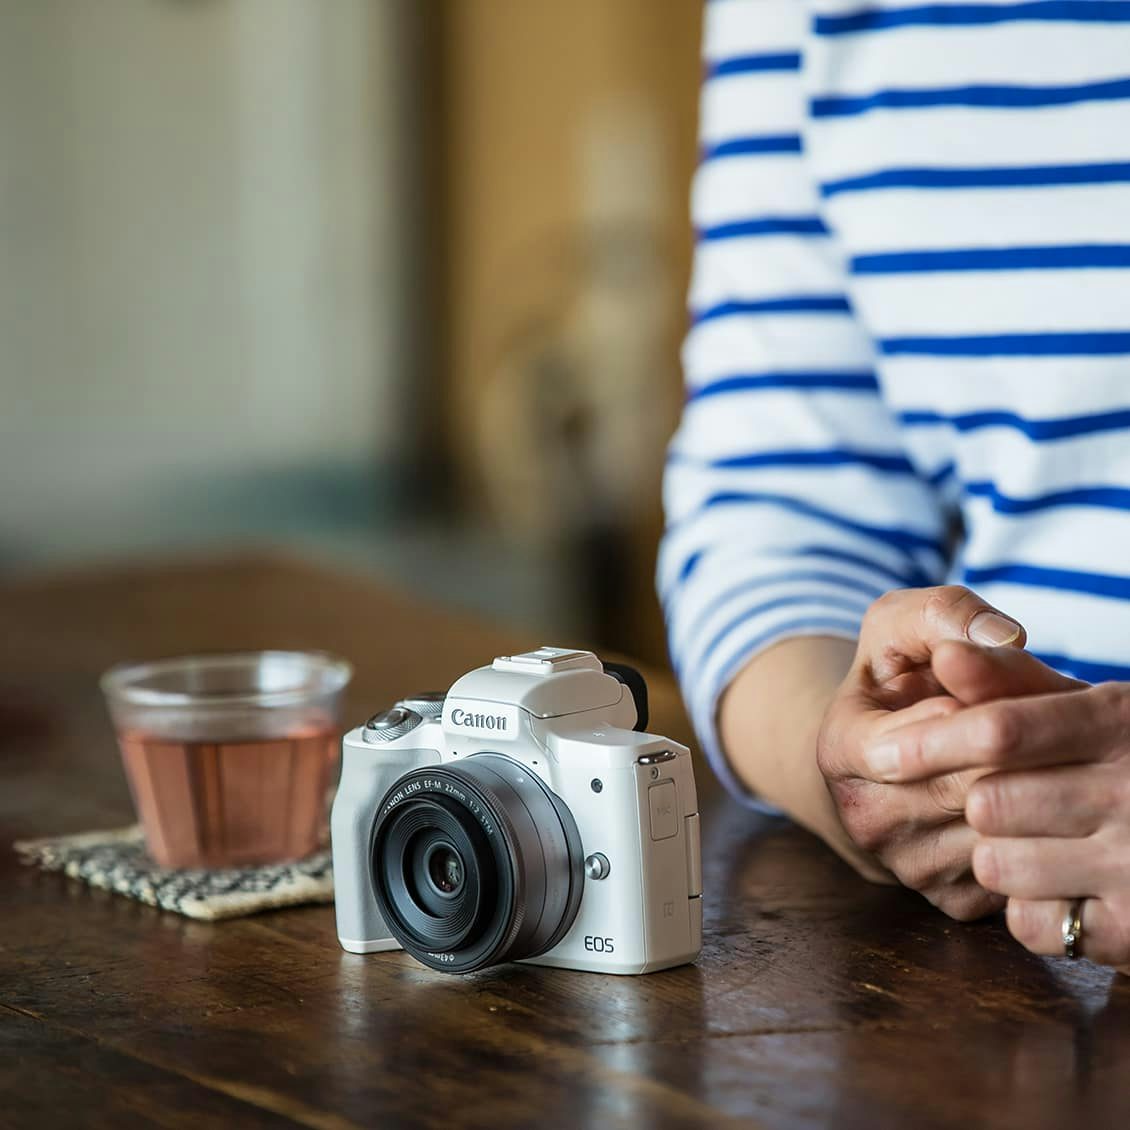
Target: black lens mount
{"points": [[475, 863]]}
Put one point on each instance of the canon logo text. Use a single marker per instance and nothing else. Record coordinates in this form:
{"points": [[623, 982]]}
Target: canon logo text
{"points": [[478, 721]]}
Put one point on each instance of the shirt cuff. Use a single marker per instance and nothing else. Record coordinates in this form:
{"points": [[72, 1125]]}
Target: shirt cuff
{"points": [[706, 694]]}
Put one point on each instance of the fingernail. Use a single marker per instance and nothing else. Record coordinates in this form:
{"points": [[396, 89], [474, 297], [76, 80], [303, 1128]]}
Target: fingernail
{"points": [[990, 629], [884, 761]]}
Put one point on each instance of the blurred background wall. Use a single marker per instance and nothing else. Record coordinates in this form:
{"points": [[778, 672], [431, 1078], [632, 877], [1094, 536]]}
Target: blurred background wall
{"points": [[392, 282]]}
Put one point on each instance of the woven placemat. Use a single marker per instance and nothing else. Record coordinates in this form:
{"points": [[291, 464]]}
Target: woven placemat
{"points": [[115, 860]]}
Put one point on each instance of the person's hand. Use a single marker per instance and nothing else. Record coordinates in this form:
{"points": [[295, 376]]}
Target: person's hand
{"points": [[917, 830], [1053, 816]]}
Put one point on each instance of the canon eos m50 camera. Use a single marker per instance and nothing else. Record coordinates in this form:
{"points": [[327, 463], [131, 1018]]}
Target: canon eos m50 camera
{"points": [[523, 816]]}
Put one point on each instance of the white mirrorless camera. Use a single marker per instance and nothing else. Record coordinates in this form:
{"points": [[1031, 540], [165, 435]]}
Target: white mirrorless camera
{"points": [[523, 816]]}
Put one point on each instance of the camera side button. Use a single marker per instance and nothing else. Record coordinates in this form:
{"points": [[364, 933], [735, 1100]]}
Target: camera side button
{"points": [[597, 866], [694, 858], [664, 806]]}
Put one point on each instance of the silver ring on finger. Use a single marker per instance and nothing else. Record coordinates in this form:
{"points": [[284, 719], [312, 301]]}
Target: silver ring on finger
{"points": [[1072, 929]]}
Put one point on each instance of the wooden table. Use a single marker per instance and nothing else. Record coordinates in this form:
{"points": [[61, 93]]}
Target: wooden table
{"points": [[818, 1000]]}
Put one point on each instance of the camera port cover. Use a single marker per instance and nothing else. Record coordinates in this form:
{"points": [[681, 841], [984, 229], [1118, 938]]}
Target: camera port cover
{"points": [[664, 806]]}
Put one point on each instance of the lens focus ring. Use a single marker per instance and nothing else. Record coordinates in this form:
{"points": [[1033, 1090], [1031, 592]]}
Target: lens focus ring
{"points": [[516, 854], [430, 919]]}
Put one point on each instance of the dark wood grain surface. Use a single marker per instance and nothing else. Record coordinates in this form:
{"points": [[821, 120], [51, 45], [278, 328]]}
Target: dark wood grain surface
{"points": [[818, 1000]]}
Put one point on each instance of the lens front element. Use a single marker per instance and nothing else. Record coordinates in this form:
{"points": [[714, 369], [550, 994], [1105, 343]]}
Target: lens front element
{"points": [[445, 869], [475, 863]]}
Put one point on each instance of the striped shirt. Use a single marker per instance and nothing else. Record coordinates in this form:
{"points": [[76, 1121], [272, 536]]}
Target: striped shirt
{"points": [[909, 350]]}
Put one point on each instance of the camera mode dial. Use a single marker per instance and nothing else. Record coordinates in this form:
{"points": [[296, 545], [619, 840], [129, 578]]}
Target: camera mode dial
{"points": [[428, 704], [391, 724]]}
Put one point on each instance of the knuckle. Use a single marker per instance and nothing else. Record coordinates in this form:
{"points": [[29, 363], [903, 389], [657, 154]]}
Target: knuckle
{"points": [[888, 658], [986, 866], [823, 761], [890, 602], [986, 806], [942, 707], [1107, 857], [998, 731], [826, 745], [967, 902], [915, 877], [945, 601], [866, 832], [916, 868], [1116, 947], [1025, 922], [1117, 795], [868, 835], [862, 822], [947, 792], [882, 612], [1110, 696], [1111, 704]]}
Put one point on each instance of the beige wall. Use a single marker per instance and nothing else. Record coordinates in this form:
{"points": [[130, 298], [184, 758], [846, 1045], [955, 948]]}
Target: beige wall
{"points": [[529, 86], [563, 121]]}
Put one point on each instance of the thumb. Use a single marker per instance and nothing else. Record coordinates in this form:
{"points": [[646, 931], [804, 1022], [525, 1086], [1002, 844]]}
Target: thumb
{"points": [[974, 674], [903, 628]]}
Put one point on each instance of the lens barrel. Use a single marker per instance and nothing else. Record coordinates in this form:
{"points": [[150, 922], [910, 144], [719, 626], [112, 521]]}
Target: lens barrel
{"points": [[475, 863]]}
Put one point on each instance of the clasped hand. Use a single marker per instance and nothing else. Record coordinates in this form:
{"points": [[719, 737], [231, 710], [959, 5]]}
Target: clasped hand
{"points": [[981, 777]]}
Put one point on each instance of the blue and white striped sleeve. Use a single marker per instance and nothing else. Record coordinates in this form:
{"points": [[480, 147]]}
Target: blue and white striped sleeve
{"points": [[790, 501]]}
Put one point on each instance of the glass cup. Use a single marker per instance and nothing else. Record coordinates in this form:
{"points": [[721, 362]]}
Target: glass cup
{"points": [[229, 756]]}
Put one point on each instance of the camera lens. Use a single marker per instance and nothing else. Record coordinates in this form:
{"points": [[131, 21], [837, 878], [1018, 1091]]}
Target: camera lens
{"points": [[475, 863], [445, 869]]}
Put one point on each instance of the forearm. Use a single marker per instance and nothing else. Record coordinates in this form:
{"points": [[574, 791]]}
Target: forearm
{"points": [[769, 720]]}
